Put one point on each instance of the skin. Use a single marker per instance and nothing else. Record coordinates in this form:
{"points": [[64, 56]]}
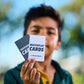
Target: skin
{"points": [[44, 26]]}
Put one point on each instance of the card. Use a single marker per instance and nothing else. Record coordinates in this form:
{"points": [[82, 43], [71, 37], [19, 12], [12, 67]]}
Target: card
{"points": [[32, 46]]}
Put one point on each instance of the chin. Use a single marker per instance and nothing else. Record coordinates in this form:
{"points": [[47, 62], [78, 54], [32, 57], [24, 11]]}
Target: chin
{"points": [[47, 55]]}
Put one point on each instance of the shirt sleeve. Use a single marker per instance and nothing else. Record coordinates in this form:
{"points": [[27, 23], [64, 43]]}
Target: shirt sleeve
{"points": [[70, 79], [9, 78], [67, 79]]}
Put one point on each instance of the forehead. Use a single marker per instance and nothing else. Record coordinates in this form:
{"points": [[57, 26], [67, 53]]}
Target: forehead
{"points": [[44, 22]]}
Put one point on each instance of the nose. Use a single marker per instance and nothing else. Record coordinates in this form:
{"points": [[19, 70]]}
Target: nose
{"points": [[43, 32]]}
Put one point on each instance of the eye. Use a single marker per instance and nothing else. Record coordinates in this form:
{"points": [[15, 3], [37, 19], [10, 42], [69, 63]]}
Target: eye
{"points": [[35, 31], [50, 33]]}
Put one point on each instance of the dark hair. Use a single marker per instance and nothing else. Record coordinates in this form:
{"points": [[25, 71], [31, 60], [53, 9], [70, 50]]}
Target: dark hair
{"points": [[43, 11]]}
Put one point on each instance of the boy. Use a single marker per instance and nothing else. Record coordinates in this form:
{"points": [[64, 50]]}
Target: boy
{"points": [[42, 20]]}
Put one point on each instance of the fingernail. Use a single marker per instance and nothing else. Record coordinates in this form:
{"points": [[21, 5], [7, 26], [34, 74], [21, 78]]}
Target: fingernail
{"points": [[28, 60], [33, 59], [38, 73]]}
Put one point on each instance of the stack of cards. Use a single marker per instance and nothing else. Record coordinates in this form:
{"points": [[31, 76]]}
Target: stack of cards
{"points": [[32, 46]]}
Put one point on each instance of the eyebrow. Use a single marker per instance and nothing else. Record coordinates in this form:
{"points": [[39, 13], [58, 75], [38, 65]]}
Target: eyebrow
{"points": [[50, 28], [36, 26]]}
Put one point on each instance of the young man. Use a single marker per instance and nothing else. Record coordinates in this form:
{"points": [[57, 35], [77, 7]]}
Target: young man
{"points": [[46, 21]]}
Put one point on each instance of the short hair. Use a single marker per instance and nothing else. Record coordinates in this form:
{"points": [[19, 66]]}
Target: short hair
{"points": [[43, 11]]}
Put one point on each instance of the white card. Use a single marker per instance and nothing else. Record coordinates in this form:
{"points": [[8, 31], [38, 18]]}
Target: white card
{"points": [[37, 47]]}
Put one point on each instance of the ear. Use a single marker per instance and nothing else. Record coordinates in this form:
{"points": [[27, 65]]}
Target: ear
{"points": [[58, 45]]}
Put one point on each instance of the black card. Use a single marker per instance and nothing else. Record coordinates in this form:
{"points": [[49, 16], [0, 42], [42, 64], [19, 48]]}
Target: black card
{"points": [[23, 45]]}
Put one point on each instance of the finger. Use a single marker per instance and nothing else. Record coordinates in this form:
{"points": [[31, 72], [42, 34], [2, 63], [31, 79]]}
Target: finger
{"points": [[24, 67], [37, 77], [33, 73], [30, 66]]}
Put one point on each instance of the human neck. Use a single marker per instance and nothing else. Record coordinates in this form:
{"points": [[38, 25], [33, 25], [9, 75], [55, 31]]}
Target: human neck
{"points": [[44, 66]]}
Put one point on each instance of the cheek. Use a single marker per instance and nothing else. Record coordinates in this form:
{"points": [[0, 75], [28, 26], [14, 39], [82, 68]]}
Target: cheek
{"points": [[54, 41]]}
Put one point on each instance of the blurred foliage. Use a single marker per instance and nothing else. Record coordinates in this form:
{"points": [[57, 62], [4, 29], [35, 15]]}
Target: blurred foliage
{"points": [[74, 33], [1, 82], [76, 8], [77, 31], [7, 25], [78, 79], [4, 8]]}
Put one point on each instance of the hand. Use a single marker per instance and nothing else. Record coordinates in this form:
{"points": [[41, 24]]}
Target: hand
{"points": [[29, 74]]}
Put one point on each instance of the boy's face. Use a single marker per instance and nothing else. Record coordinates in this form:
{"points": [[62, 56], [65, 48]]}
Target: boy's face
{"points": [[48, 27]]}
